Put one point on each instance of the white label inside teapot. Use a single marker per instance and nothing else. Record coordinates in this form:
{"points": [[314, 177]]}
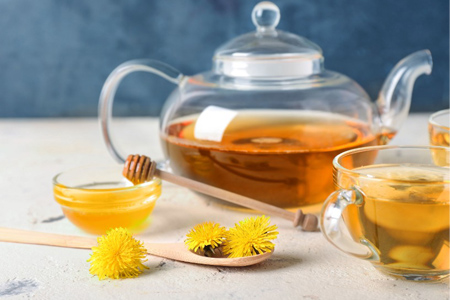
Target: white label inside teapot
{"points": [[212, 122]]}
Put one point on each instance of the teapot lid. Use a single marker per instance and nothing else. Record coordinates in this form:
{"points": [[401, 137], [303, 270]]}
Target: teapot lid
{"points": [[268, 53]]}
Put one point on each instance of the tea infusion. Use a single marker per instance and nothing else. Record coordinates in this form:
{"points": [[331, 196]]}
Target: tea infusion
{"points": [[406, 223], [439, 137], [281, 157]]}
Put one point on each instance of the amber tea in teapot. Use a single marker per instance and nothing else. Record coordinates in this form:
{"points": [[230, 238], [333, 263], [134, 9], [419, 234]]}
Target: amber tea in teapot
{"points": [[281, 157]]}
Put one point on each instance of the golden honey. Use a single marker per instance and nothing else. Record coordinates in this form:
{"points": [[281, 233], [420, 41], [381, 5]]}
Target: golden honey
{"points": [[96, 208]]}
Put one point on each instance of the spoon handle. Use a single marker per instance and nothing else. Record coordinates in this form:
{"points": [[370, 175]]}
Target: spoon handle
{"points": [[48, 239], [70, 241]]}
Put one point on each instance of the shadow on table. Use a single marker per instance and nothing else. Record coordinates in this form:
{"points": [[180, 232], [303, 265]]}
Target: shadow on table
{"points": [[275, 263]]}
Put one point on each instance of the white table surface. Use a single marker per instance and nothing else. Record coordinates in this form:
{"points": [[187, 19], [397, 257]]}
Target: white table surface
{"points": [[304, 265]]}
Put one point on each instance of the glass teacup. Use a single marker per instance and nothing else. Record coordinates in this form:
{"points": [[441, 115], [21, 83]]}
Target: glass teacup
{"points": [[439, 132], [392, 210]]}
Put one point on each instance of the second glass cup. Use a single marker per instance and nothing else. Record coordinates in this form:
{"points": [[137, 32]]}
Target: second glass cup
{"points": [[439, 128], [439, 132], [392, 209]]}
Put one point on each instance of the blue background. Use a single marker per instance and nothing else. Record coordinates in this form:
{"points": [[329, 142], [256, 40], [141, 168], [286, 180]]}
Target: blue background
{"points": [[56, 54]]}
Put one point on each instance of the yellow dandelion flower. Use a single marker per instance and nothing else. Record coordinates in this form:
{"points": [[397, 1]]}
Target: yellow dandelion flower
{"points": [[205, 237], [118, 255], [250, 237]]}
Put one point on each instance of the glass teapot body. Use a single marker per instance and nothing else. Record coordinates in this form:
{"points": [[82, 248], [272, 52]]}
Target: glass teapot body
{"points": [[272, 141], [268, 119]]}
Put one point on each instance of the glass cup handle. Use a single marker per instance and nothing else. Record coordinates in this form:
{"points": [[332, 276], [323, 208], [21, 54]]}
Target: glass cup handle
{"points": [[110, 87], [333, 226]]}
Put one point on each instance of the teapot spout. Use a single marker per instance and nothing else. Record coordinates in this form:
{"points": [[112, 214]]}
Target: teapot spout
{"points": [[395, 96]]}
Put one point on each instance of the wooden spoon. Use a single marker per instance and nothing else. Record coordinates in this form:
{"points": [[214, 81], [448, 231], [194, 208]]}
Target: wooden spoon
{"points": [[174, 251]]}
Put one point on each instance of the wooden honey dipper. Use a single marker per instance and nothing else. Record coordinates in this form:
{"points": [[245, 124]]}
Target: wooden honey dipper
{"points": [[140, 168]]}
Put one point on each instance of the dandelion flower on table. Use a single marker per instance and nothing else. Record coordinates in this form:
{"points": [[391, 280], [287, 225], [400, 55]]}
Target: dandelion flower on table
{"points": [[251, 236], [118, 255], [205, 237]]}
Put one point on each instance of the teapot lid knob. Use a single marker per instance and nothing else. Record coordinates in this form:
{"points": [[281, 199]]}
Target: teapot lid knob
{"points": [[268, 53], [265, 15]]}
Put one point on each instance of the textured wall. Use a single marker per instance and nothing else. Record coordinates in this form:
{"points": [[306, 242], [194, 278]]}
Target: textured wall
{"points": [[56, 54]]}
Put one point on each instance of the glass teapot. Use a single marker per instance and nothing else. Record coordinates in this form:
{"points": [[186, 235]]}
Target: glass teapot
{"points": [[268, 119]]}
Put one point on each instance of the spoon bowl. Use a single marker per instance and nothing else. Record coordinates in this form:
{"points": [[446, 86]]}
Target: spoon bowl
{"points": [[179, 252], [173, 251]]}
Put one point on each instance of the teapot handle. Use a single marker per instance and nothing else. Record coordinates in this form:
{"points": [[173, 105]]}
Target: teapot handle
{"points": [[110, 87]]}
